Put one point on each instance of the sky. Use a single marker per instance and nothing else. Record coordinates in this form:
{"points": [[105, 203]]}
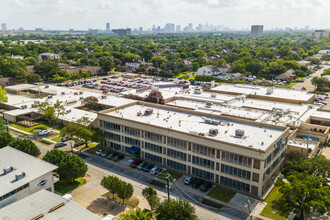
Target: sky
{"points": [[85, 14]]}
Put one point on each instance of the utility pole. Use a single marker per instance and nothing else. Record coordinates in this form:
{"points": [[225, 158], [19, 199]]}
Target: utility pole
{"points": [[168, 186], [247, 205]]}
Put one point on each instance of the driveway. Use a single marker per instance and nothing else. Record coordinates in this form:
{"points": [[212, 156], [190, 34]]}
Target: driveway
{"points": [[308, 82]]}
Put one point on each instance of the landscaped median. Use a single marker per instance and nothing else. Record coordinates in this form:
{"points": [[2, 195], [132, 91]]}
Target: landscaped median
{"points": [[221, 194]]}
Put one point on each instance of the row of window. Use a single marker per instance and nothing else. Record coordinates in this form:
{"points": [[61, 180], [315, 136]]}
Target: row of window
{"points": [[153, 147], [235, 184], [153, 158], [132, 131], [115, 146], [14, 192], [177, 166], [132, 141], [234, 158], [111, 126], [203, 174], [235, 171], [203, 150], [112, 136], [177, 143], [153, 137], [203, 162], [176, 154]]}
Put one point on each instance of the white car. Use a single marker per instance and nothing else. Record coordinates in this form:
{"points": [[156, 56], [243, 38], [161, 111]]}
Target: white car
{"points": [[155, 170], [44, 132], [99, 152]]}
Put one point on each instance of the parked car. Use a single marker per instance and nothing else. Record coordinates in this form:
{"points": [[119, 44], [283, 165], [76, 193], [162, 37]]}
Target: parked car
{"points": [[119, 157], [196, 183], [104, 153], [148, 168], [44, 132], [114, 154], [78, 143], [188, 180], [99, 152], [205, 186], [66, 138], [135, 163], [59, 144], [141, 166], [155, 170]]}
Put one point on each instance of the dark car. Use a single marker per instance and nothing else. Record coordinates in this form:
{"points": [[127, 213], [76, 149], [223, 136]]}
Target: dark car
{"points": [[135, 163], [79, 143], [115, 154], [119, 157], [197, 183], [66, 138], [60, 144], [148, 168], [205, 186]]}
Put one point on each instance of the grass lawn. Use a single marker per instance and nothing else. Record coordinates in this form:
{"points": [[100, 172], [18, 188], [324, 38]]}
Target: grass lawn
{"points": [[270, 210], [63, 187], [94, 149], [57, 139], [132, 202], [29, 129], [221, 194], [174, 175]]}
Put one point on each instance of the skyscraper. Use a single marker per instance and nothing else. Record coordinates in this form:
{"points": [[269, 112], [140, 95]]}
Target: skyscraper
{"points": [[108, 27], [257, 30], [4, 27]]}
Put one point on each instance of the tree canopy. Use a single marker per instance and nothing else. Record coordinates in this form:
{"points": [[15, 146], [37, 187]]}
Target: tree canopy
{"points": [[175, 209], [24, 145]]}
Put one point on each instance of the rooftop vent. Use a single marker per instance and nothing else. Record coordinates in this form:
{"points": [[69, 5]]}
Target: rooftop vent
{"points": [[68, 111], [209, 104], [7, 170], [23, 106], [213, 95], [81, 98], [213, 131], [63, 93], [47, 86], [139, 113], [270, 90], [239, 133], [148, 111], [20, 176], [75, 93], [81, 92], [104, 97], [57, 207], [198, 91]]}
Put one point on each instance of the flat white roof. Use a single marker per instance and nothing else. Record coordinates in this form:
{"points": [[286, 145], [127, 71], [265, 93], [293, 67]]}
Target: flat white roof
{"points": [[21, 162], [262, 91], [321, 114], [301, 143], [41, 203], [258, 137]]}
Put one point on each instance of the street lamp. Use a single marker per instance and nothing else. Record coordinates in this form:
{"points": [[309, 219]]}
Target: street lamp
{"points": [[247, 205]]}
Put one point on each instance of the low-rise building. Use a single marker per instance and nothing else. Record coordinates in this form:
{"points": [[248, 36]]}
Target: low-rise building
{"points": [[23, 175], [43, 56], [288, 75], [46, 205], [213, 70]]}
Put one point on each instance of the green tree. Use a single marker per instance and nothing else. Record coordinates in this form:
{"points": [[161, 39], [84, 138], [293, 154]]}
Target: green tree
{"points": [[154, 96], [90, 102], [46, 69], [70, 167], [3, 95], [305, 194], [175, 209], [136, 214], [125, 191], [26, 146], [150, 194], [111, 183], [5, 139], [106, 63], [59, 109], [158, 61], [46, 110], [321, 83]]}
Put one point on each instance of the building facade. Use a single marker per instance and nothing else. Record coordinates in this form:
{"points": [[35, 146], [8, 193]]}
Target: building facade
{"points": [[247, 169], [257, 30]]}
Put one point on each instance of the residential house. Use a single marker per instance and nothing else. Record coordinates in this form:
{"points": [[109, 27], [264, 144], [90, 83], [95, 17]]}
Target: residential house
{"points": [[136, 63], [44, 56], [288, 75]]}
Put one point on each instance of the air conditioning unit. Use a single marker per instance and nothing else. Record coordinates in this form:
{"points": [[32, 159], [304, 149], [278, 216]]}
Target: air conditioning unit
{"points": [[19, 176], [75, 93], [213, 95], [63, 93], [8, 169], [213, 131], [68, 111], [104, 97], [239, 133], [81, 92], [23, 106], [148, 111], [46, 87]]}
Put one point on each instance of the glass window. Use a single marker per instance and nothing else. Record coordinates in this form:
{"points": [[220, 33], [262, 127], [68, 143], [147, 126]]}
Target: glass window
{"points": [[203, 174], [235, 171], [176, 154], [132, 131], [203, 150], [153, 137], [177, 166], [233, 158], [153, 147], [176, 143], [111, 126], [112, 136], [132, 141], [153, 158], [203, 162], [235, 184]]}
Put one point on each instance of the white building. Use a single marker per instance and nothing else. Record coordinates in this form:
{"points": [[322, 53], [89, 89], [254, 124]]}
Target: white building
{"points": [[48, 56], [46, 205], [23, 175], [213, 70]]}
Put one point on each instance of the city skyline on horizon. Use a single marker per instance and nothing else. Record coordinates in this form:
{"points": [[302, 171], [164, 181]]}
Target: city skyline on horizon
{"points": [[235, 14]]}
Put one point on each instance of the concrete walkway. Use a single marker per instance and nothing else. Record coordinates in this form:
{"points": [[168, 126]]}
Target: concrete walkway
{"points": [[19, 131]]}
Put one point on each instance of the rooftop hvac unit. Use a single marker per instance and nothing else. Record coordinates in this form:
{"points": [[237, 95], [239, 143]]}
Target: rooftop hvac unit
{"points": [[49, 97], [67, 197], [23, 106], [8, 169], [239, 133], [213, 95], [139, 113], [198, 91], [36, 102], [81, 98], [104, 97], [63, 93], [209, 104], [76, 93], [201, 134], [81, 92], [270, 90], [213, 131], [33, 106], [68, 111], [148, 111], [215, 122], [20, 176], [46, 87]]}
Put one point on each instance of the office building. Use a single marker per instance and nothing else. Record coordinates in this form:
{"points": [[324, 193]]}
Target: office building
{"points": [[45, 205], [4, 27], [122, 32], [190, 27], [169, 28], [257, 30], [108, 27], [23, 175]]}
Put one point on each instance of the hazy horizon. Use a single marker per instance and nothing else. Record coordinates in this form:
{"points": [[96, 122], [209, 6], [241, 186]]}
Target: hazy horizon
{"points": [[85, 14]]}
